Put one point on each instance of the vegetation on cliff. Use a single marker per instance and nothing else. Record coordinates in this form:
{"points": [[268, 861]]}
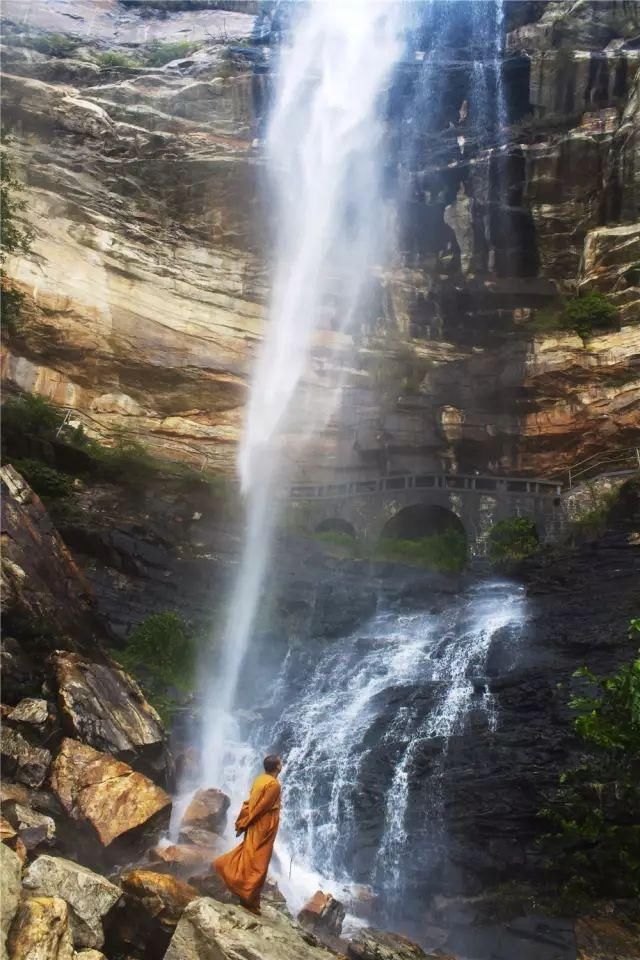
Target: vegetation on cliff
{"points": [[594, 843], [512, 540], [14, 238]]}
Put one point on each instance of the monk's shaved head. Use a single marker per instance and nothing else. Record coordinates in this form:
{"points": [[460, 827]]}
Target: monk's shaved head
{"points": [[272, 763]]}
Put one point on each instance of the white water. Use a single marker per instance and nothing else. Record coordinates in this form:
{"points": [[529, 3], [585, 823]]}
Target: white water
{"points": [[324, 155]]}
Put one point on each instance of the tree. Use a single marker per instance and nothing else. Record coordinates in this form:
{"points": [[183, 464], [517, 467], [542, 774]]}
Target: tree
{"points": [[14, 238], [594, 843]]}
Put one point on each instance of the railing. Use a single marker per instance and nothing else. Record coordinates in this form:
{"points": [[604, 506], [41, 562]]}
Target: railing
{"points": [[439, 481], [619, 461]]}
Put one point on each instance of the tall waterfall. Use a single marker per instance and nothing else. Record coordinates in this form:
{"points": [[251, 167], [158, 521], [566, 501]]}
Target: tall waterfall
{"points": [[325, 159]]}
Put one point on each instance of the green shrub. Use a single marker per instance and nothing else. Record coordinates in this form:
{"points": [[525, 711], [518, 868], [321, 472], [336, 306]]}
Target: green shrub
{"points": [[336, 537], [30, 414], [51, 44], [14, 238], [127, 461], [118, 60], [594, 521], [164, 651], [445, 552], [594, 843], [589, 314], [512, 540], [159, 54], [47, 482]]}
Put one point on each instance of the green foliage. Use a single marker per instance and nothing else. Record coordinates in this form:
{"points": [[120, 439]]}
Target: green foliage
{"points": [[445, 552], [164, 652], [336, 538], [594, 843], [512, 540], [51, 44], [159, 54], [30, 414], [594, 521], [587, 315], [127, 461], [117, 60], [47, 482]]}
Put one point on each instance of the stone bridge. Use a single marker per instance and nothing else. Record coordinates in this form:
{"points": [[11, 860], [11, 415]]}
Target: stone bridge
{"points": [[421, 504]]}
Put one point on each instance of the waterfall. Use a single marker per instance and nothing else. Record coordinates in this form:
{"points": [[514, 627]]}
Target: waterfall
{"points": [[357, 721], [324, 157]]}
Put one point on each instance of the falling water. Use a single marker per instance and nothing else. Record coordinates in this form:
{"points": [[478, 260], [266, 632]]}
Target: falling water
{"points": [[324, 155]]}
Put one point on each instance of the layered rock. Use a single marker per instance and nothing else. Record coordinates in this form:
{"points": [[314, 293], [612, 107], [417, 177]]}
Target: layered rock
{"points": [[102, 706], [107, 793], [42, 585]]}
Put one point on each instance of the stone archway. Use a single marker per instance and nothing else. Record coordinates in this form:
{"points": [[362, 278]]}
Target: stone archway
{"points": [[336, 525], [422, 520]]}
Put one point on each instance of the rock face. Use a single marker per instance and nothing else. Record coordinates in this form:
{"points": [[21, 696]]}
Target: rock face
{"points": [[88, 896], [41, 582], [102, 706], [10, 888], [323, 913], [163, 897], [160, 275], [209, 930], [106, 793], [376, 945], [40, 931], [603, 938]]}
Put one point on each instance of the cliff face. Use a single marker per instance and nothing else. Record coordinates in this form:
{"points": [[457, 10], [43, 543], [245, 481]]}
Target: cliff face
{"points": [[147, 283]]}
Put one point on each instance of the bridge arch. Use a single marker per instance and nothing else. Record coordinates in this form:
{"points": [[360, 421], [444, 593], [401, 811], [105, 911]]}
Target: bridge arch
{"points": [[336, 525], [422, 520]]}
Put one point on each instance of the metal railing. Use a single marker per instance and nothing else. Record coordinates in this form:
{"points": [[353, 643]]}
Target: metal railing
{"points": [[625, 460], [475, 483]]}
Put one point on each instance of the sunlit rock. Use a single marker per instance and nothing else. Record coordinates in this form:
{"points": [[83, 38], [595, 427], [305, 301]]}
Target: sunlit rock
{"points": [[209, 930], [10, 888], [41, 931], [105, 792], [30, 711], [377, 945]]}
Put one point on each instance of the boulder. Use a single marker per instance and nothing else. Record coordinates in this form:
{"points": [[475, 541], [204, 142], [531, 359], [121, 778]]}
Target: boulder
{"points": [[209, 930], [10, 888], [33, 827], [26, 763], [378, 945], [198, 837], [363, 900], [89, 955], [323, 914], [160, 895], [30, 711], [207, 810], [41, 931], [102, 706], [106, 793], [88, 895], [42, 584]]}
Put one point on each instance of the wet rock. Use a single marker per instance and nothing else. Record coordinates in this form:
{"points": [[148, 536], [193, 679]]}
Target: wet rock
{"points": [[102, 705], [10, 888], [605, 938], [89, 896], [377, 945], [105, 792], [323, 914], [41, 931], [20, 676], [197, 836], [26, 763], [363, 900], [30, 711], [162, 896], [209, 930], [34, 828], [207, 810]]}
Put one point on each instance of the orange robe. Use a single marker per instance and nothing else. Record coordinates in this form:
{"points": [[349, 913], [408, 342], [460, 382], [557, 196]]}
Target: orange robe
{"points": [[244, 869]]}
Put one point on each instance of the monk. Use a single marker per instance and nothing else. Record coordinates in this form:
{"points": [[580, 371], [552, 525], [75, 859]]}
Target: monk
{"points": [[244, 869]]}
